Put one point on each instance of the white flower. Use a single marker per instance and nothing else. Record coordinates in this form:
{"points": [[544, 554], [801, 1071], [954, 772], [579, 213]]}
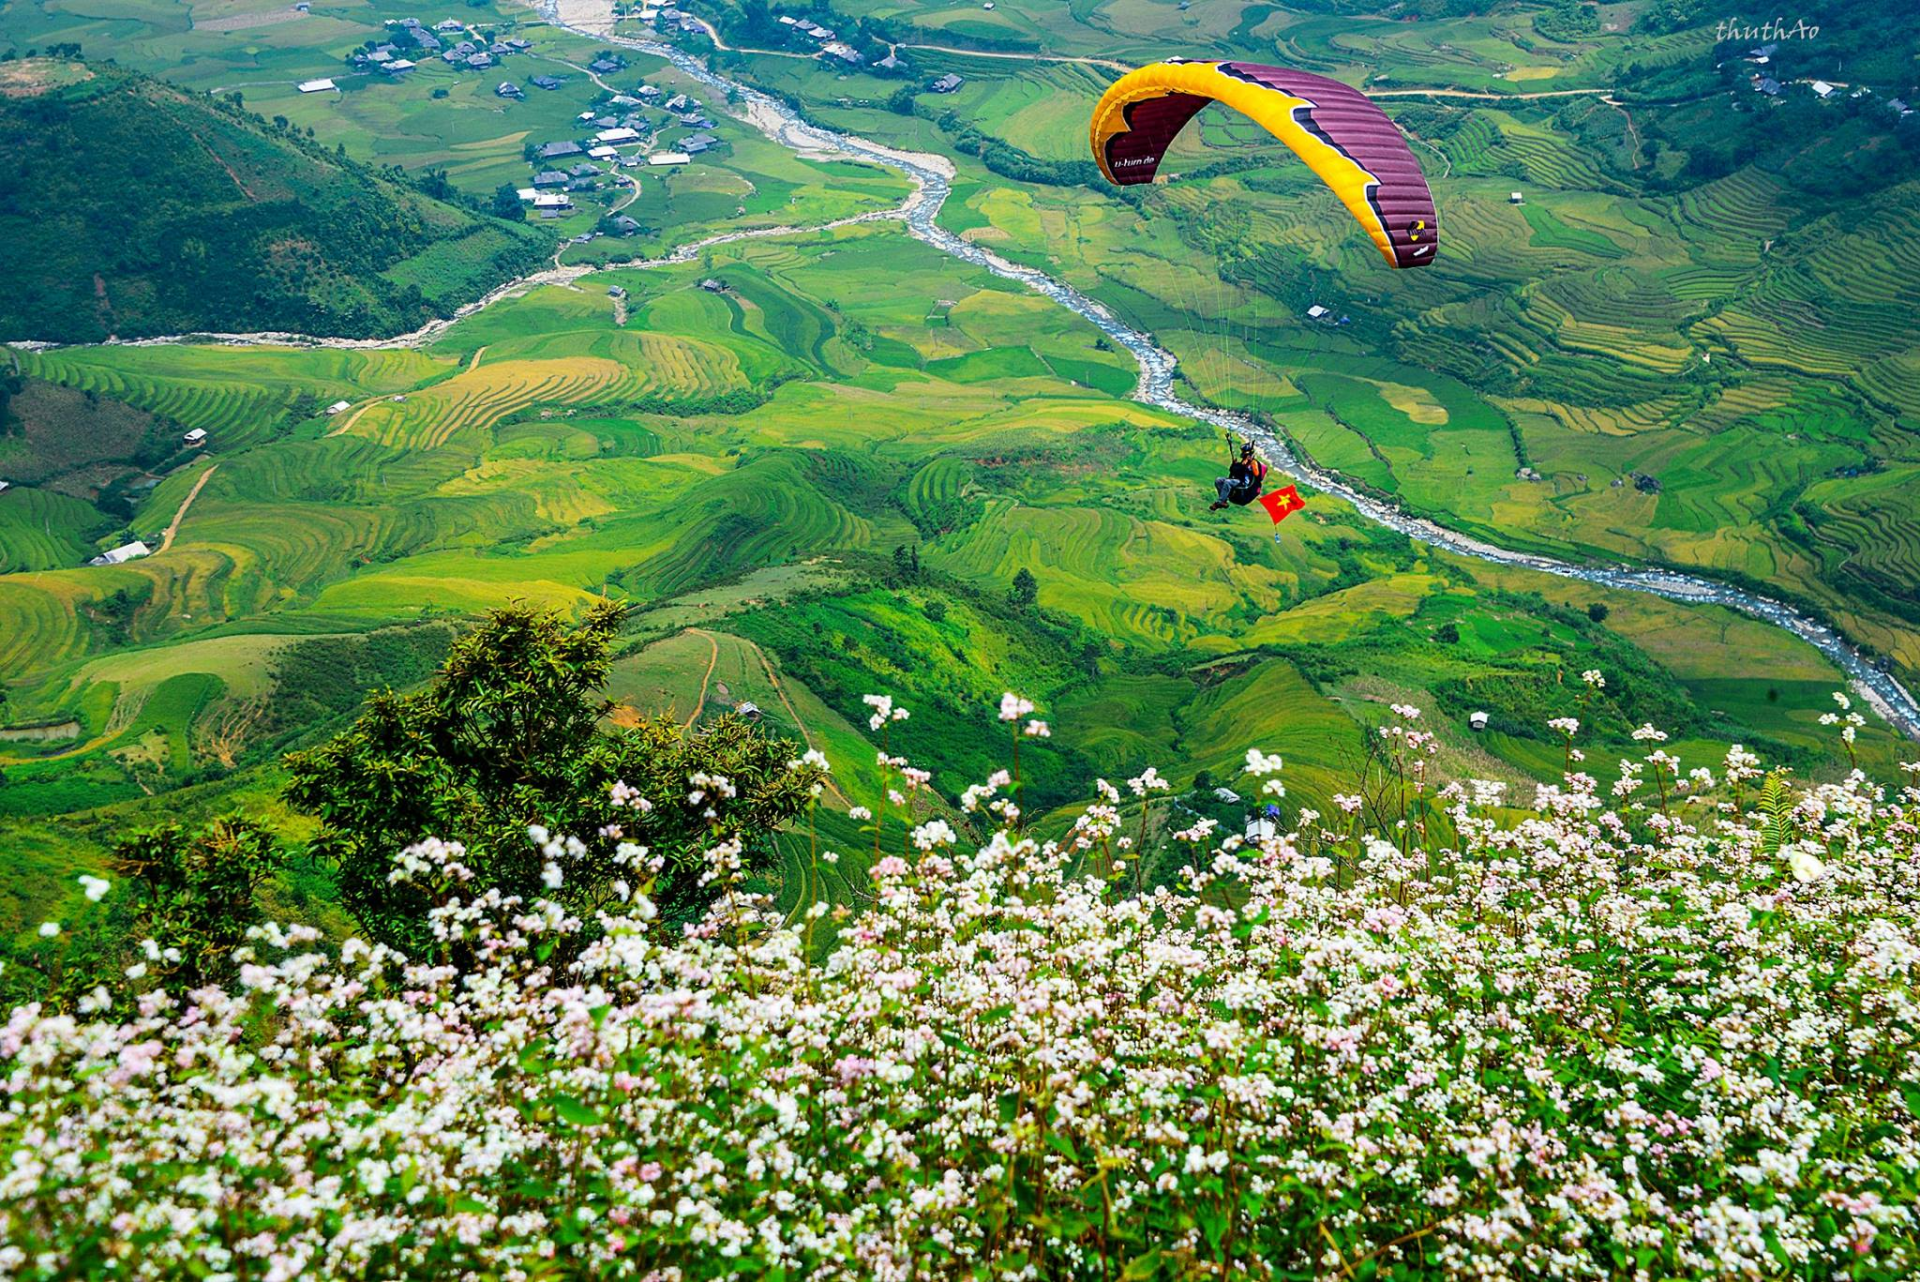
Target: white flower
{"points": [[1259, 763], [935, 832], [1148, 780], [1806, 865], [1038, 730], [1013, 707], [551, 876], [96, 887], [883, 710], [1568, 726], [1647, 734], [1593, 678], [48, 929]]}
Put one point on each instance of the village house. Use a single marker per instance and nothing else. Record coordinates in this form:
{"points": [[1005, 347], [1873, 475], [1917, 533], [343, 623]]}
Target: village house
{"points": [[317, 86], [480, 61], [549, 178], [947, 83], [558, 150], [398, 67], [195, 439], [339, 407], [552, 200], [694, 144], [507, 89], [546, 82], [617, 135], [584, 170], [449, 24], [677, 103], [604, 153], [125, 552], [604, 65], [626, 227], [668, 158], [648, 91]]}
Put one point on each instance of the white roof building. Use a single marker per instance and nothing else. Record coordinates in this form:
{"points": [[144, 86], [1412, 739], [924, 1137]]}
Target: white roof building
{"points": [[5, 486], [620, 135], [1821, 89], [552, 200], [129, 552], [1316, 311], [317, 86], [1478, 720], [526, 194], [198, 436], [603, 153], [669, 158]]}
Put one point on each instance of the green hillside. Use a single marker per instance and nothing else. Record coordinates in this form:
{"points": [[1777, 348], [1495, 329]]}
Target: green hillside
{"points": [[132, 208]]}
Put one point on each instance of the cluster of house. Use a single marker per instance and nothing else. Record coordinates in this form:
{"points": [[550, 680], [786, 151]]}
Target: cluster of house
{"points": [[413, 38], [824, 37], [566, 167], [1765, 84]]}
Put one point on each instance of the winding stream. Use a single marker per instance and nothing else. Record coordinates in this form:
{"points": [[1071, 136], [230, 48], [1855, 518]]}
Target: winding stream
{"points": [[932, 177]]}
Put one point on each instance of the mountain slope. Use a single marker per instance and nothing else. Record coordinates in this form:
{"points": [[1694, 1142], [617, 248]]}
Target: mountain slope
{"points": [[131, 208]]}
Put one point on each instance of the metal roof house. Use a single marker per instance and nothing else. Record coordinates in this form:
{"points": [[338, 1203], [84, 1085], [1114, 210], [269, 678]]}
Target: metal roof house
{"points": [[125, 552]]}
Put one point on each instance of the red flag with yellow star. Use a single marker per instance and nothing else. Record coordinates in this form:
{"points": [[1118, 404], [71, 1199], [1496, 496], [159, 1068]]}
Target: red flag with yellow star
{"points": [[1282, 503]]}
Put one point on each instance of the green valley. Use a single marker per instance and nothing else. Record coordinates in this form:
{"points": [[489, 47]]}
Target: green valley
{"points": [[814, 463]]}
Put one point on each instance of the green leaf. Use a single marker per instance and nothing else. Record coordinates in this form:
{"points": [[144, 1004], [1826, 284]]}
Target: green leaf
{"points": [[573, 1112]]}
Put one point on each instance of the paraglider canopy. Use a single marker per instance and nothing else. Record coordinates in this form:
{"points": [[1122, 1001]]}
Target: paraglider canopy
{"points": [[1348, 141]]}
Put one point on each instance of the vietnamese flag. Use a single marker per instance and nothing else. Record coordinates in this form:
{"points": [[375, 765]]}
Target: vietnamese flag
{"points": [[1282, 503]]}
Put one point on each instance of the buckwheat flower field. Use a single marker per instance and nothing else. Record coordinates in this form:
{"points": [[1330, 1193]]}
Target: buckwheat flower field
{"points": [[1663, 1027]]}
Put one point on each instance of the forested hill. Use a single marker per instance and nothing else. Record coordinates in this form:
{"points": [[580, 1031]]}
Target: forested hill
{"points": [[131, 208]]}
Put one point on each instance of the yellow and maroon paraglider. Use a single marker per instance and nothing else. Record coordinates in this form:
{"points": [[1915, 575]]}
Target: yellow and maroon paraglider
{"points": [[1335, 128]]}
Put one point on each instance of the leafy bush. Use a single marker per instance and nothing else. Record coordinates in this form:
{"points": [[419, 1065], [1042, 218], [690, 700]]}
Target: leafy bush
{"points": [[508, 738]]}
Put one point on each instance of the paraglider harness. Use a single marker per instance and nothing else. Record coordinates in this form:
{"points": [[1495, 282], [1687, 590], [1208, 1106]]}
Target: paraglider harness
{"points": [[1245, 477]]}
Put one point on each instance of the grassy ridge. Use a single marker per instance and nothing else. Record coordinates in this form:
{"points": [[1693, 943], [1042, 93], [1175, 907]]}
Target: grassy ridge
{"points": [[140, 210]]}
